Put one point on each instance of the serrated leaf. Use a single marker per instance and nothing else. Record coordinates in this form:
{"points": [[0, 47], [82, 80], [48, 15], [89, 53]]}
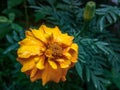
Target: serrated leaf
{"points": [[15, 36], [12, 3], [79, 69], [3, 19], [10, 39], [10, 48], [88, 74], [16, 27], [94, 79], [109, 19], [39, 16], [101, 22], [4, 29], [11, 17], [102, 48], [113, 16]]}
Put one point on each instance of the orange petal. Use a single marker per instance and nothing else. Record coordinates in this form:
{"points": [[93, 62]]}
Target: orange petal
{"points": [[67, 55], [74, 46], [56, 31], [28, 66], [27, 51], [74, 52], [29, 34], [39, 34], [63, 78], [31, 41], [52, 64], [37, 76], [50, 74], [33, 72], [64, 63], [64, 39], [40, 64]]}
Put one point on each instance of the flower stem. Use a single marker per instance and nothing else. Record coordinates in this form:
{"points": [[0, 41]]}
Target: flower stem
{"points": [[26, 14], [84, 29]]}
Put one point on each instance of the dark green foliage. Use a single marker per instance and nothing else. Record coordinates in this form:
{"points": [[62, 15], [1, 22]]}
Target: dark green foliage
{"points": [[98, 66]]}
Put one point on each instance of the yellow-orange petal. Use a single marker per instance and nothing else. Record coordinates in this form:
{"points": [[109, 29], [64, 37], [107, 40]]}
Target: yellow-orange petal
{"points": [[55, 31], [27, 51], [37, 76], [28, 66], [63, 78], [64, 39], [29, 34], [39, 34], [52, 64], [74, 52], [50, 74], [41, 63], [33, 72], [30, 41], [64, 63], [74, 46], [67, 55]]}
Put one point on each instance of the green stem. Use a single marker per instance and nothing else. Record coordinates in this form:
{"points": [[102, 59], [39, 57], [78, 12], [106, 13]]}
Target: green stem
{"points": [[84, 29], [26, 14]]}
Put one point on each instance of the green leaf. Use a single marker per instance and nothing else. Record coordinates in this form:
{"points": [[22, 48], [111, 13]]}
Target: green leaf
{"points": [[79, 69], [88, 74], [39, 16], [113, 16], [10, 48], [4, 29], [101, 22], [16, 27], [13, 3], [3, 19], [94, 79], [109, 19], [10, 39], [11, 17]]}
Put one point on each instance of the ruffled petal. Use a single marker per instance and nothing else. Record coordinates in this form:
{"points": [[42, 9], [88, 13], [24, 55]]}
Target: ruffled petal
{"points": [[37, 76], [33, 72], [28, 34], [39, 34], [28, 66], [67, 55], [52, 64], [64, 39], [55, 31], [41, 63], [74, 52], [64, 63], [50, 74], [27, 51], [31, 42]]}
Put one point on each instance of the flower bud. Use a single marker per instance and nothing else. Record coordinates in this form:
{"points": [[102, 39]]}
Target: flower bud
{"points": [[89, 11]]}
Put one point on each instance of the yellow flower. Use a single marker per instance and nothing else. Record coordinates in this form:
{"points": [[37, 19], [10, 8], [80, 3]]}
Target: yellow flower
{"points": [[47, 54]]}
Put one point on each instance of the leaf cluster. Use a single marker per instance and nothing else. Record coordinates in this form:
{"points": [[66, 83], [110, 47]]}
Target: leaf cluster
{"points": [[98, 66]]}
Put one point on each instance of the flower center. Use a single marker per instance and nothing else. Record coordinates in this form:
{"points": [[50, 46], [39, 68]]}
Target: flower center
{"points": [[53, 51]]}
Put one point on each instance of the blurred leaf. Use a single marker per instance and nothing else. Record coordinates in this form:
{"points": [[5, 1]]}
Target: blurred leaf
{"points": [[10, 48], [16, 27], [11, 17], [3, 19], [13, 3], [79, 69], [4, 29]]}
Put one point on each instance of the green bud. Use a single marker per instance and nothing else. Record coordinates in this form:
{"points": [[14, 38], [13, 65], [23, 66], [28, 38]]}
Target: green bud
{"points": [[89, 11]]}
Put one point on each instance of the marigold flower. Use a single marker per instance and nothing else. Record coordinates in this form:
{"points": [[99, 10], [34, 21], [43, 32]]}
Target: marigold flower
{"points": [[47, 54]]}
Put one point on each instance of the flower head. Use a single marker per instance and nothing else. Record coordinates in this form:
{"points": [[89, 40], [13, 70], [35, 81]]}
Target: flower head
{"points": [[47, 54]]}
